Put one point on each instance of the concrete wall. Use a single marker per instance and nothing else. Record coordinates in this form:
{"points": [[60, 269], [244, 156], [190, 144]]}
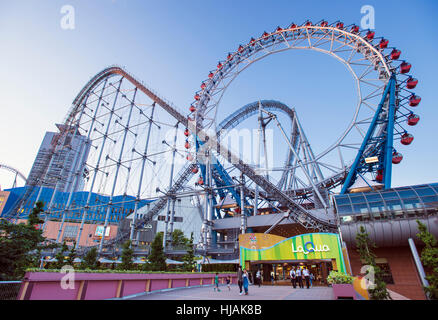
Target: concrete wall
{"points": [[99, 286]]}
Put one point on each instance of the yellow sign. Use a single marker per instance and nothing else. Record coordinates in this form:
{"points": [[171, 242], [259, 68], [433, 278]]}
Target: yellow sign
{"points": [[310, 246]]}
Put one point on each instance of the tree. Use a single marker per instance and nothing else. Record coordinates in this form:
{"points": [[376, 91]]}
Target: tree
{"points": [[127, 257], [189, 258], [429, 258], [60, 256], [178, 239], [90, 260], [21, 245], [364, 246], [72, 255], [157, 258]]}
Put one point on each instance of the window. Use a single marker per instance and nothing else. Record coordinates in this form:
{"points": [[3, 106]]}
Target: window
{"points": [[425, 191], [360, 208], [407, 193], [357, 199], [390, 195], [374, 197], [344, 210], [386, 271], [342, 200], [70, 232]]}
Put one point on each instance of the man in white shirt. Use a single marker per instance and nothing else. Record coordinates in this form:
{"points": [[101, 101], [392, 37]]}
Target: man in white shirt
{"points": [[293, 277], [299, 277], [306, 275]]}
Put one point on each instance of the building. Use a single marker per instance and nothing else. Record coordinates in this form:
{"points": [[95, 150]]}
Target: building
{"points": [[187, 218], [66, 163], [389, 217], [94, 217]]}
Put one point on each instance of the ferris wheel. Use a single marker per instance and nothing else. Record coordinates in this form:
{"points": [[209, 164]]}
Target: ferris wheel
{"points": [[384, 105]]}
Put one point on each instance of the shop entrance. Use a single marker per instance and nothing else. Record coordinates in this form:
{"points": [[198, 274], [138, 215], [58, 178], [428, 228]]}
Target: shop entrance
{"points": [[278, 272]]}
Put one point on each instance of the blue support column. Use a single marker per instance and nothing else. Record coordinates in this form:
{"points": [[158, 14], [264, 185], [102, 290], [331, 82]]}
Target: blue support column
{"points": [[353, 170], [390, 136]]}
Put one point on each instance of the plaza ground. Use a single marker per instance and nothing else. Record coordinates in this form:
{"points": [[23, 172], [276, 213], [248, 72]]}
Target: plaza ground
{"points": [[254, 293]]}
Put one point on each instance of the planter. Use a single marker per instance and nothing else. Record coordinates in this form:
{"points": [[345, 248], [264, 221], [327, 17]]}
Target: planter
{"points": [[100, 286], [344, 291]]}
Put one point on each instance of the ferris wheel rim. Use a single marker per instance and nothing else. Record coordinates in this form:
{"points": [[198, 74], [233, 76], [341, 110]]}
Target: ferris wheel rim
{"points": [[203, 102]]}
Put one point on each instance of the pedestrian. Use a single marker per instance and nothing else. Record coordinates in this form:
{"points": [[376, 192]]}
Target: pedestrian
{"points": [[259, 277], [240, 279], [299, 277], [229, 283], [272, 277], [245, 281], [311, 279], [293, 277], [216, 282], [306, 275]]}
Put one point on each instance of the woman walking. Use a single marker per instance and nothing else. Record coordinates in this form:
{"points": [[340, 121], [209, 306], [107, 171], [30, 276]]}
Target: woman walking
{"points": [[245, 281]]}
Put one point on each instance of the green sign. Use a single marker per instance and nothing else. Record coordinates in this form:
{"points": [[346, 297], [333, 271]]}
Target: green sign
{"points": [[308, 246]]}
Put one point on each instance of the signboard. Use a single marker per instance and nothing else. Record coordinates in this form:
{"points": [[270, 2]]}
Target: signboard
{"points": [[371, 160], [99, 231], [310, 246]]}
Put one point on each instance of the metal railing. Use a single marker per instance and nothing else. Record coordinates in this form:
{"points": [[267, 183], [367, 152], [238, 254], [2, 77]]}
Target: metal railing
{"points": [[9, 290]]}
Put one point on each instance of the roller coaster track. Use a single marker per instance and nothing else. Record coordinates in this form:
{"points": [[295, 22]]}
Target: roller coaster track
{"points": [[296, 211]]}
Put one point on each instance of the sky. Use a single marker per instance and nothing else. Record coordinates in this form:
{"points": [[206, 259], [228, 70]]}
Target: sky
{"points": [[172, 45]]}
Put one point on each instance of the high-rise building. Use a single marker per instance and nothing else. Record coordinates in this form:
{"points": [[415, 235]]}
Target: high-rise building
{"points": [[68, 161]]}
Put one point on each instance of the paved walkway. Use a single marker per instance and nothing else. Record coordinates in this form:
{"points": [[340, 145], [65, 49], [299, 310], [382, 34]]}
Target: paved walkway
{"points": [[254, 293]]}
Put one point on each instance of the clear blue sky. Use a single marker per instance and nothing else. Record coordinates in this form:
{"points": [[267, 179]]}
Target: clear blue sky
{"points": [[172, 45]]}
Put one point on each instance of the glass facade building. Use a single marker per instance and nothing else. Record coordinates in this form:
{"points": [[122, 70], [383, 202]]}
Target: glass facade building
{"points": [[402, 202]]}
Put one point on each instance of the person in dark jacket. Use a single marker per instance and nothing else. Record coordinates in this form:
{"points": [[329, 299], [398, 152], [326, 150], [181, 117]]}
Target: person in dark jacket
{"points": [[240, 279]]}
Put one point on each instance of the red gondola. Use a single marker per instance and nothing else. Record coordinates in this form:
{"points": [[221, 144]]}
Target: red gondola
{"points": [[265, 34], [340, 25], [324, 24], [383, 43], [414, 100], [219, 65], [186, 132], [397, 157], [252, 41], [200, 181], [203, 85], [370, 35], [197, 97], [379, 176], [413, 119], [411, 83], [406, 139], [395, 54], [195, 169], [279, 29], [229, 56], [240, 49], [405, 67], [192, 109], [293, 26], [210, 75], [355, 29], [308, 24], [187, 145]]}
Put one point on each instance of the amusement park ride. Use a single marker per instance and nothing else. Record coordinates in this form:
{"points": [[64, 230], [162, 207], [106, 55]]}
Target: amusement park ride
{"points": [[137, 140]]}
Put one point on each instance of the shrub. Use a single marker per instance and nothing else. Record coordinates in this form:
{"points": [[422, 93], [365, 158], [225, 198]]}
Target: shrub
{"points": [[336, 277]]}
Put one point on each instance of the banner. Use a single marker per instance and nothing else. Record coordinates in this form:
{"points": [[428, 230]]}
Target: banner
{"points": [[310, 246]]}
